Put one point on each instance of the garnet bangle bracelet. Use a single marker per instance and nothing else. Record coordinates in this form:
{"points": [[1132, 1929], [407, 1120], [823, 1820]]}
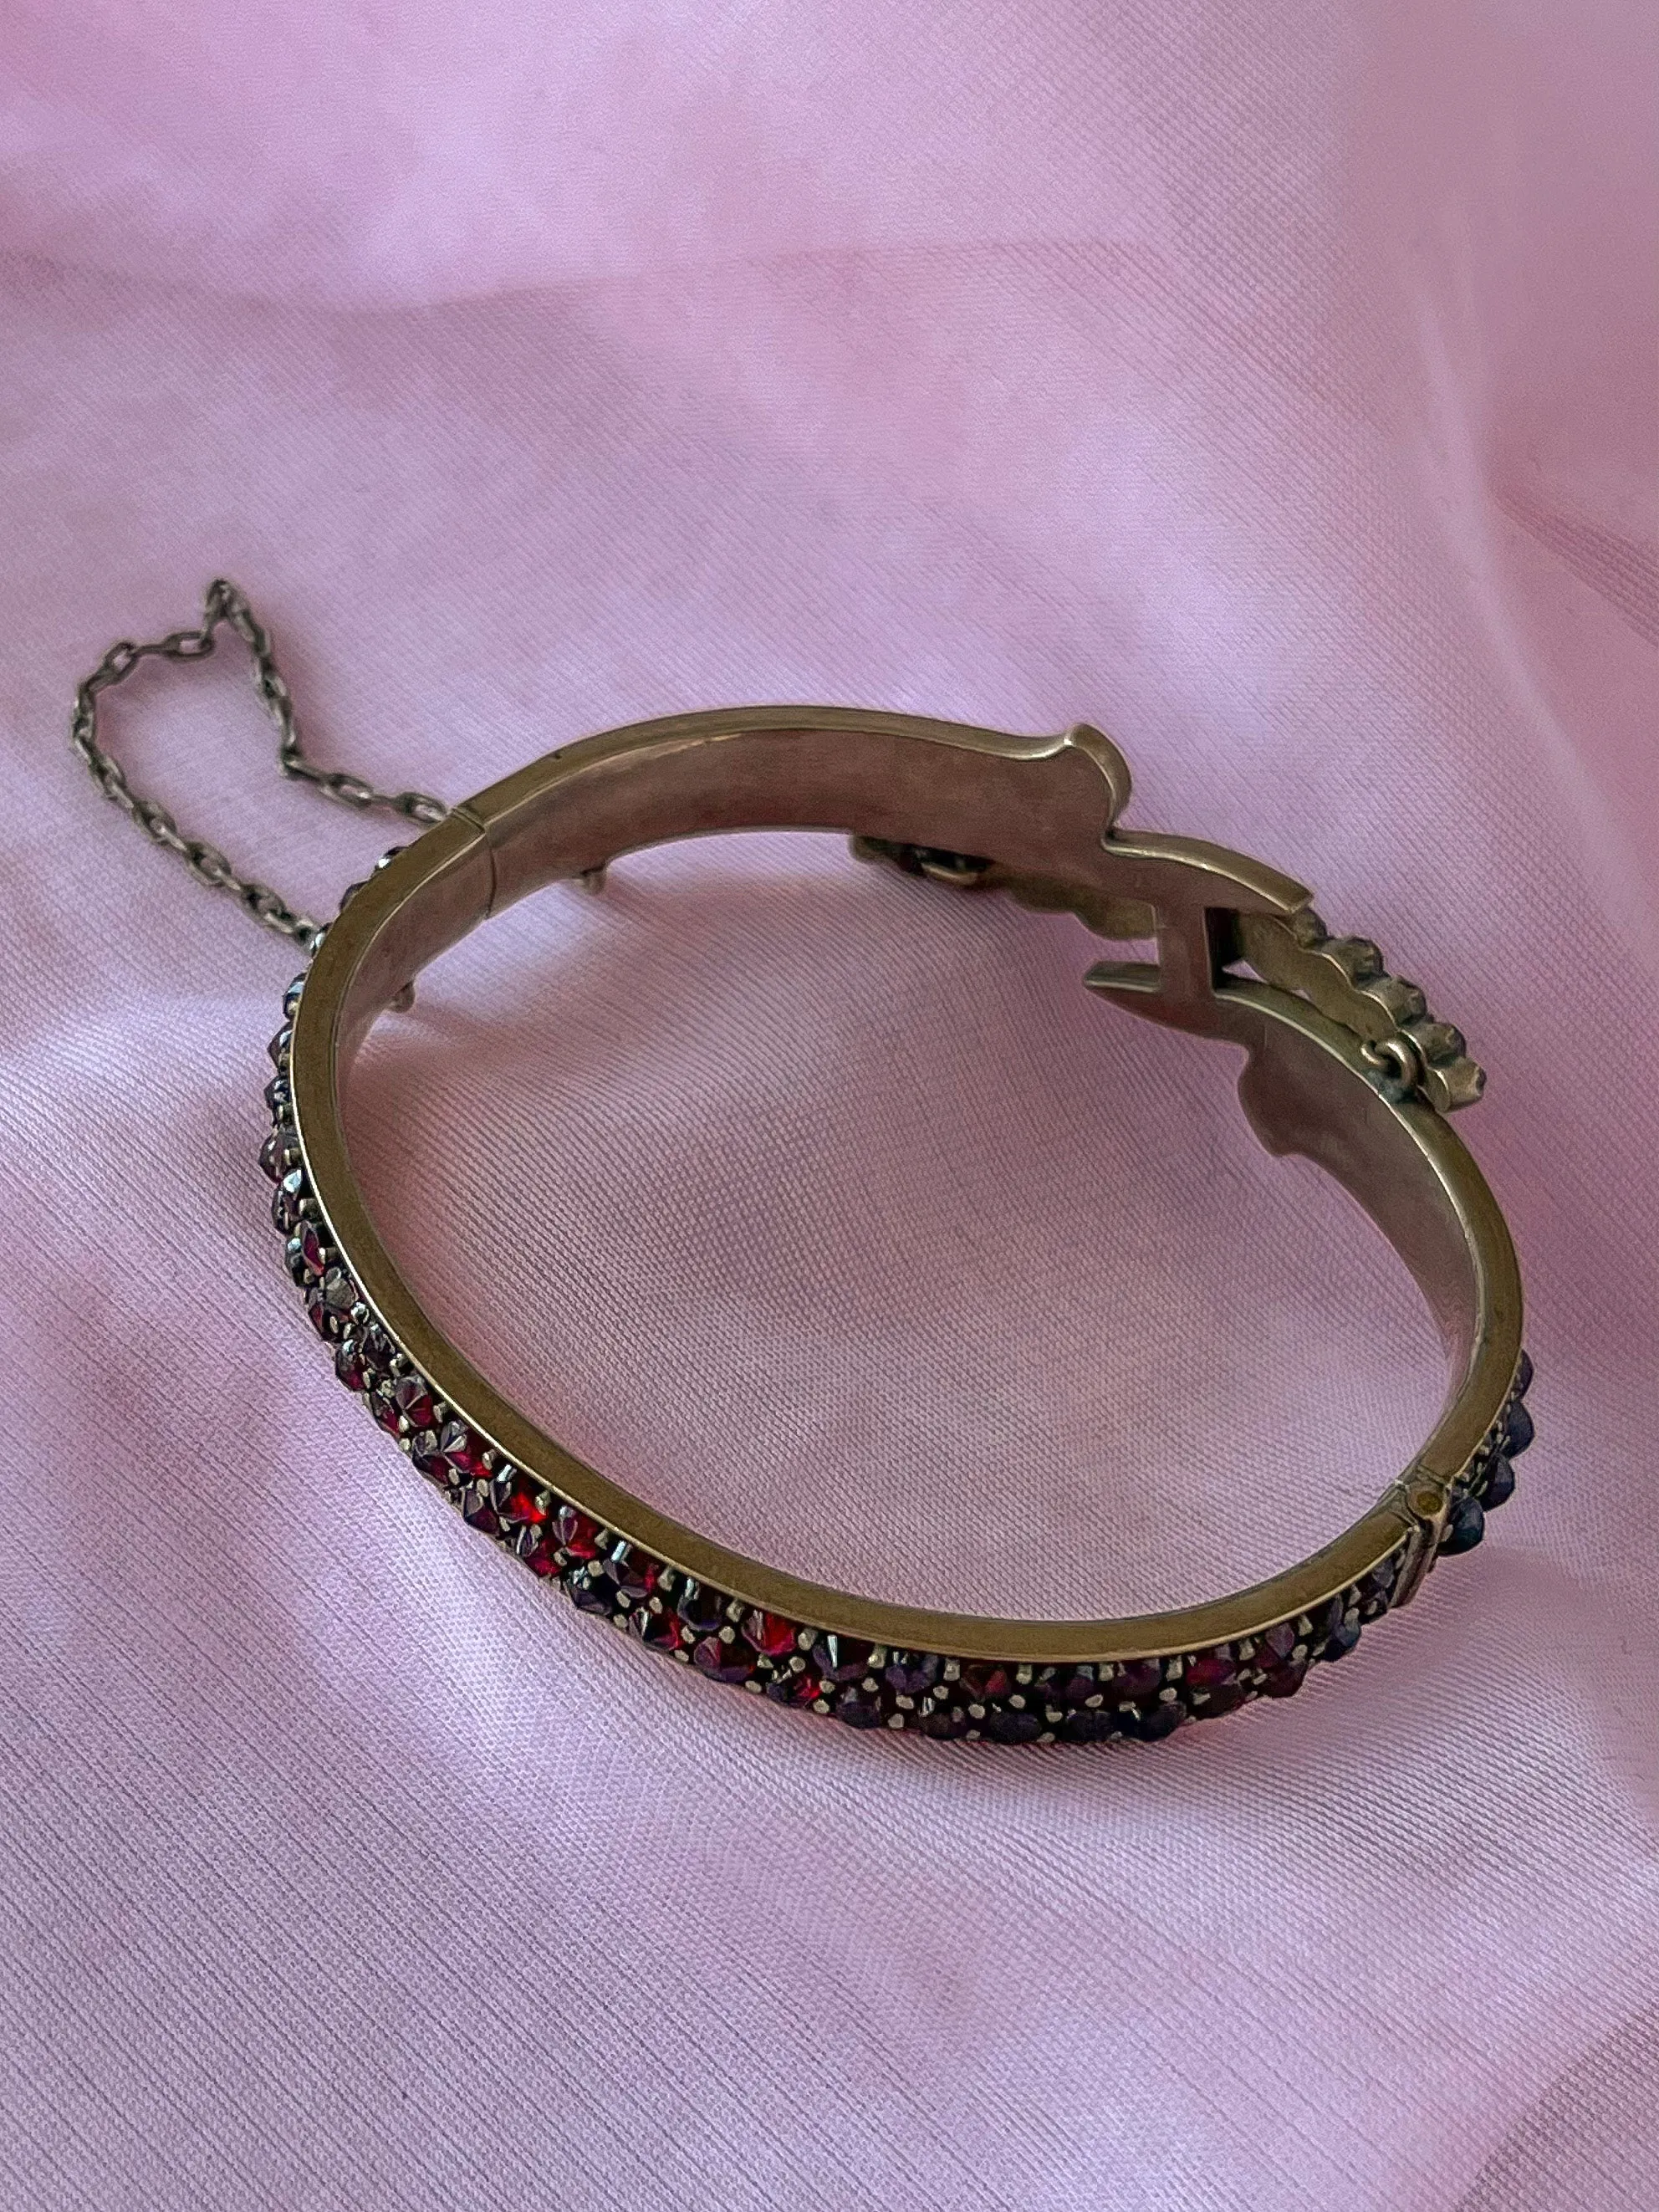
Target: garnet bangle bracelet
{"points": [[1343, 1064]]}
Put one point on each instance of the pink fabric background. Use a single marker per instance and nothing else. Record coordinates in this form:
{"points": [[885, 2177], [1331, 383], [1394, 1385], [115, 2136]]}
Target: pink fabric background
{"points": [[1274, 385]]}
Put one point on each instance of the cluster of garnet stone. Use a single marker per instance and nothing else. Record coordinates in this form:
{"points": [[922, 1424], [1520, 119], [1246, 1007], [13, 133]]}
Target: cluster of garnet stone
{"points": [[867, 1686], [1489, 1481]]}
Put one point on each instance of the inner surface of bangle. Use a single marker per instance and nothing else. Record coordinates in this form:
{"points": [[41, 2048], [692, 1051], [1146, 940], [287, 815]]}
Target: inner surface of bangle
{"points": [[1041, 807], [824, 1210]]}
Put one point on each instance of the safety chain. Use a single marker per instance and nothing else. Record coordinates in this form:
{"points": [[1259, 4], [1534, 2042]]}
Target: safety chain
{"points": [[225, 605]]}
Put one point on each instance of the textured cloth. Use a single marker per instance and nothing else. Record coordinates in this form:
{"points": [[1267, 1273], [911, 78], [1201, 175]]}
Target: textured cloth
{"points": [[1272, 384]]}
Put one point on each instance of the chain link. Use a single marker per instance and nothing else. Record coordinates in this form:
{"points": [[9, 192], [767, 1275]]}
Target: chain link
{"points": [[225, 605]]}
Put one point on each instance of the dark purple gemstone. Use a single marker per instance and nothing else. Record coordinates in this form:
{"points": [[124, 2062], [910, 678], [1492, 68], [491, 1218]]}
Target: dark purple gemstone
{"points": [[543, 1556], [1090, 1727], [1140, 1679], [983, 1680], [572, 1532], [1326, 1620], [1523, 1376], [455, 1453], [1500, 1486], [279, 1097], [842, 1659], [348, 1364], [912, 1674], [279, 1044], [1226, 1699], [463, 1451], [413, 1399], [1157, 1722], [769, 1633], [1210, 1672], [802, 1689], [663, 1631], [860, 1709], [635, 1572], [1275, 1645], [588, 1591], [307, 1255], [1341, 1640], [1380, 1583], [723, 1662], [329, 1304], [424, 1455], [1518, 1428], [385, 1410], [1066, 1686], [1466, 1524], [277, 1154], [288, 1202], [701, 1609], [1010, 1724], [1284, 1680], [478, 1508], [945, 1725], [291, 996]]}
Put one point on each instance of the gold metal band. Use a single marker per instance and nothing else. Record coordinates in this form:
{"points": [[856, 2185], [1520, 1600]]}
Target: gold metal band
{"points": [[1343, 1064]]}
